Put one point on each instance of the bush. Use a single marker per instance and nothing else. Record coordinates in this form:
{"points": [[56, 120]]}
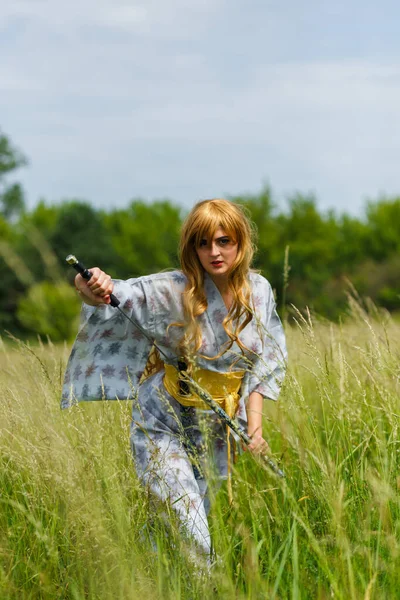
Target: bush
{"points": [[50, 310]]}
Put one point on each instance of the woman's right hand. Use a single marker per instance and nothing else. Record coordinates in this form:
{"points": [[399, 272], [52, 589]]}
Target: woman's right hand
{"points": [[97, 290]]}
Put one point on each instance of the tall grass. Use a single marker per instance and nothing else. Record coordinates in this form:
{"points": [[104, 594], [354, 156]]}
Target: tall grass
{"points": [[75, 522]]}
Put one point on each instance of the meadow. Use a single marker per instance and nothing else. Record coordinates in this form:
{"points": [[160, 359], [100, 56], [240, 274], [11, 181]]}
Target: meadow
{"points": [[75, 522]]}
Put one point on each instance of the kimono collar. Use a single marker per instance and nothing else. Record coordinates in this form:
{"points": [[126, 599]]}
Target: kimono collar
{"points": [[215, 313], [213, 295]]}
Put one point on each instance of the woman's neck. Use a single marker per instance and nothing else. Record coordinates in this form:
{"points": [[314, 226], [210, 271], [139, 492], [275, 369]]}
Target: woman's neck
{"points": [[222, 283], [222, 286]]}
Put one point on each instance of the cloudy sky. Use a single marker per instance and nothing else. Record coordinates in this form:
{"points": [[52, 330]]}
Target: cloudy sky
{"points": [[192, 99]]}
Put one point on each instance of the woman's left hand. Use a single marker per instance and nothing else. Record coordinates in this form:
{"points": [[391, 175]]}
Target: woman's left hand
{"points": [[258, 445]]}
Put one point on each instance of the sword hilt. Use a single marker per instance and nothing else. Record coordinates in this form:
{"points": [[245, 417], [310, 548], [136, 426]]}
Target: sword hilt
{"points": [[86, 274]]}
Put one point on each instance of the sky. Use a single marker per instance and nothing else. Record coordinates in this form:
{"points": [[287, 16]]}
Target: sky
{"points": [[113, 100]]}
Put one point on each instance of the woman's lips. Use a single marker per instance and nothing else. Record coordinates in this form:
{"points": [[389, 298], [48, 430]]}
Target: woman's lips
{"points": [[216, 263]]}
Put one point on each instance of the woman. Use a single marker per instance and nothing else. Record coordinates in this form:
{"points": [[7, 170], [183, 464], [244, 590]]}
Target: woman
{"points": [[219, 318]]}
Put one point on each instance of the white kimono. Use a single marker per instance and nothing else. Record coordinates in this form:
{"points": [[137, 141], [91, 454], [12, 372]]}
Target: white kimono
{"points": [[168, 439]]}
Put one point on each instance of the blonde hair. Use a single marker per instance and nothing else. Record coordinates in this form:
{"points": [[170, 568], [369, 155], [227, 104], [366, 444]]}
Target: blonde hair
{"points": [[202, 222]]}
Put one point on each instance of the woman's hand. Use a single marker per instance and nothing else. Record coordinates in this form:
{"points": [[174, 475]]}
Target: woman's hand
{"points": [[97, 290], [258, 445]]}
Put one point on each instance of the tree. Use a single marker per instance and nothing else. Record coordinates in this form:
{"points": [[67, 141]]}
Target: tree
{"points": [[145, 237], [50, 309], [262, 212], [80, 229], [11, 285], [383, 222], [34, 241], [11, 197]]}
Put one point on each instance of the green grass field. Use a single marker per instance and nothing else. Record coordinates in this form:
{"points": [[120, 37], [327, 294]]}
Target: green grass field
{"points": [[75, 522]]}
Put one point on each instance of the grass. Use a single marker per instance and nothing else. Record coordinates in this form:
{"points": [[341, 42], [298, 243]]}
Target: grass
{"points": [[75, 522]]}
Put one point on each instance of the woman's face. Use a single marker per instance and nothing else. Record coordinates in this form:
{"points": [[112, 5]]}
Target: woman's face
{"points": [[217, 255]]}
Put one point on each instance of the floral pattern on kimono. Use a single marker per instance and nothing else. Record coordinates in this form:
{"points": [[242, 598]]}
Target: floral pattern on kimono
{"points": [[172, 444], [110, 354]]}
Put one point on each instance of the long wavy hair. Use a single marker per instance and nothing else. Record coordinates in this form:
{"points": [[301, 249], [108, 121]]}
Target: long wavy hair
{"points": [[202, 222]]}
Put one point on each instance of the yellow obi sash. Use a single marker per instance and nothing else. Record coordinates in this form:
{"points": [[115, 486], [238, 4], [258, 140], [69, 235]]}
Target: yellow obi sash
{"points": [[224, 389]]}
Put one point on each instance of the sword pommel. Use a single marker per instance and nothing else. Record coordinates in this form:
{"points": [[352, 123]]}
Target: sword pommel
{"points": [[71, 259]]}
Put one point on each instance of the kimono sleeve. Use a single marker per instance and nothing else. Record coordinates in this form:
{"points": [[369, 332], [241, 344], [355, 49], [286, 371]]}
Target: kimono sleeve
{"points": [[269, 369], [110, 353]]}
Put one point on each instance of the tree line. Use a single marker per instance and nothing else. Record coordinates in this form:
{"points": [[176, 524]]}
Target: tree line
{"points": [[311, 258]]}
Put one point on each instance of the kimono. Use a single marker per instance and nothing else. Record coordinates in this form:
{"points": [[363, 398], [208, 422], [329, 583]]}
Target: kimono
{"points": [[172, 444]]}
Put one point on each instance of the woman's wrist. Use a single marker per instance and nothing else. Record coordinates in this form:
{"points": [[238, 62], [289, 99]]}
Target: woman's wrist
{"points": [[254, 429]]}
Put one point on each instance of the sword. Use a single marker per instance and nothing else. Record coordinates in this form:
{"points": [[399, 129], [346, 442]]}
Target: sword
{"points": [[193, 385]]}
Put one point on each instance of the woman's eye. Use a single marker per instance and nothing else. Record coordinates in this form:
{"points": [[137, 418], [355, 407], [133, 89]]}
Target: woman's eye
{"points": [[203, 243], [224, 241]]}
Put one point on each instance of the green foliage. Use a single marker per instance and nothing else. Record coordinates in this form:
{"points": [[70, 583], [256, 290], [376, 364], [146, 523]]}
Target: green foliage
{"points": [[80, 229], [12, 201], [10, 157], [145, 237], [12, 286], [380, 281], [383, 219], [351, 244], [262, 212], [326, 252], [43, 217], [49, 309], [35, 244]]}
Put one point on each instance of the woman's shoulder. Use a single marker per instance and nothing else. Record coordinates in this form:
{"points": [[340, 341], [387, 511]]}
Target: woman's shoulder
{"points": [[259, 283]]}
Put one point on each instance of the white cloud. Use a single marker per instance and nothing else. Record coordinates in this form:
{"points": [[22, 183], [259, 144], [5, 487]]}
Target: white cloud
{"points": [[153, 17], [89, 86]]}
